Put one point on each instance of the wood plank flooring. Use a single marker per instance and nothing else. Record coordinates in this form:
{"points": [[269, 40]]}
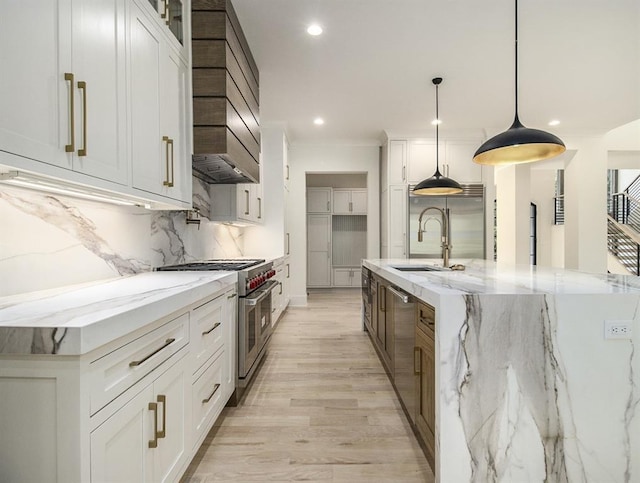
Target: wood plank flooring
{"points": [[321, 408]]}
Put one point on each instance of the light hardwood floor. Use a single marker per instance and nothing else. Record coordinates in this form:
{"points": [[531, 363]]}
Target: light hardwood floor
{"points": [[320, 409]]}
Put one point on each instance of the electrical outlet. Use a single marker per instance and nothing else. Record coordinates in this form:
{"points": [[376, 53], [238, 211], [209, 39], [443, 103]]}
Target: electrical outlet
{"points": [[618, 329]]}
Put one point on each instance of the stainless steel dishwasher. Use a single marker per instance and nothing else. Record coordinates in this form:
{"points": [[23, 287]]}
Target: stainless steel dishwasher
{"points": [[404, 335]]}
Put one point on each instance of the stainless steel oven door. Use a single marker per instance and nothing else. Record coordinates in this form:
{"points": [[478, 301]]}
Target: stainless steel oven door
{"points": [[254, 328]]}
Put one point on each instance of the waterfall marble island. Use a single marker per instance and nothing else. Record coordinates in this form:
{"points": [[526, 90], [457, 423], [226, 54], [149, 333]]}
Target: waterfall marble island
{"points": [[527, 386]]}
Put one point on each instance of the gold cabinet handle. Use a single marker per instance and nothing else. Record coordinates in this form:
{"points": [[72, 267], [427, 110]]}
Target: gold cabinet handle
{"points": [[350, 206], [162, 399], [328, 206], [287, 178], [83, 85], [69, 148], [231, 296], [215, 326], [280, 283], [288, 244], [246, 203], [154, 442], [165, 13], [259, 208], [166, 344], [416, 350], [169, 142], [215, 388], [287, 270]]}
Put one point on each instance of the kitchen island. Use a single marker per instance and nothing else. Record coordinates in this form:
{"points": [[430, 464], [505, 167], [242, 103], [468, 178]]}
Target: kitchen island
{"points": [[527, 387]]}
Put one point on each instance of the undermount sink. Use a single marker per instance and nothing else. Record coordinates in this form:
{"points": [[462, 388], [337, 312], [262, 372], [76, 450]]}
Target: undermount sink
{"points": [[419, 268]]}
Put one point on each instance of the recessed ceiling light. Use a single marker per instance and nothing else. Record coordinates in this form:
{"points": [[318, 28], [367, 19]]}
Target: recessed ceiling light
{"points": [[318, 121], [554, 122], [435, 122], [314, 29]]}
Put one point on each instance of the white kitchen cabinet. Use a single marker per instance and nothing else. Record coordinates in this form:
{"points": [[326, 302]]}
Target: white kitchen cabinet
{"points": [[422, 160], [158, 78], [349, 201], [59, 106], [395, 162], [318, 250], [237, 203], [170, 16], [113, 401], [145, 440], [347, 277], [459, 163], [280, 293], [397, 221], [319, 200]]}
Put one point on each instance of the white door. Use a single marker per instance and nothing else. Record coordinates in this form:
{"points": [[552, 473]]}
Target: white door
{"points": [[35, 98], [397, 222], [120, 446], [460, 165], [397, 162], [342, 201], [318, 200], [319, 250], [422, 160], [173, 122], [170, 391], [149, 153], [99, 90], [359, 202]]}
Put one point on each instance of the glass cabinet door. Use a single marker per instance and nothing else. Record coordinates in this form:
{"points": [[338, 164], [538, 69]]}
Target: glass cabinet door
{"points": [[175, 18]]}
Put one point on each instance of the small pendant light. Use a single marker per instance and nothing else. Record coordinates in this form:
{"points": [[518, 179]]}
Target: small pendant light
{"points": [[437, 184], [519, 144]]}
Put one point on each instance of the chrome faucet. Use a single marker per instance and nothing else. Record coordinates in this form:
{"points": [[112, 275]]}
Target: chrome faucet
{"points": [[444, 230]]}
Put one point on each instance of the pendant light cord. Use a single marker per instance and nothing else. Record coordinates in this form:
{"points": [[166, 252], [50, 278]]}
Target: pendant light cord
{"points": [[437, 138], [516, 69]]}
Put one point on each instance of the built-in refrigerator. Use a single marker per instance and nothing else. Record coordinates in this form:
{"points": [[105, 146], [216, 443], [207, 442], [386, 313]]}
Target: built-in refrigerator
{"points": [[466, 213]]}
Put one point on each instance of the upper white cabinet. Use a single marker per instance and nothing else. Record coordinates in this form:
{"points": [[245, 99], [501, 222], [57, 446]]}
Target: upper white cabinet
{"points": [[349, 201], [169, 14], [97, 95], [459, 161], [422, 160], [319, 200], [158, 79], [60, 105]]}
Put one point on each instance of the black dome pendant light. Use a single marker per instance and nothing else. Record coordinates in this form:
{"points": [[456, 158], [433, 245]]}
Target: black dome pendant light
{"points": [[437, 184], [519, 144]]}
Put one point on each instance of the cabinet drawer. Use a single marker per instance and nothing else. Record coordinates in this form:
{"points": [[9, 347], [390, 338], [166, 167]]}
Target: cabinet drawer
{"points": [[117, 371], [208, 326], [426, 318], [207, 399]]}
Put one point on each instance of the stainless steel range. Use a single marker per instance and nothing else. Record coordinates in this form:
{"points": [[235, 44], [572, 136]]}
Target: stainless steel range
{"points": [[254, 310]]}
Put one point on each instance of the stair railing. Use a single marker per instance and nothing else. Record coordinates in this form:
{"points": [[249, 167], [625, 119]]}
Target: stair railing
{"points": [[623, 247]]}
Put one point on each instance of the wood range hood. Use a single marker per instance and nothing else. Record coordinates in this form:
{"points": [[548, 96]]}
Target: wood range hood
{"points": [[226, 131]]}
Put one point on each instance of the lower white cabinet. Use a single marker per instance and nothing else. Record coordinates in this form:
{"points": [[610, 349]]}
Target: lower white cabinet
{"points": [[133, 410], [346, 277], [280, 293], [145, 440]]}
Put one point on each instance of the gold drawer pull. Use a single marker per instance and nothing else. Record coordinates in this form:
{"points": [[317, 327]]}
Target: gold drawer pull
{"points": [[166, 344], [83, 85], [215, 326], [163, 399], [154, 442], [215, 388], [69, 148]]}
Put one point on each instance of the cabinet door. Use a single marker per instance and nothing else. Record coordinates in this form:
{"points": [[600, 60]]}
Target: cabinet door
{"points": [[422, 160], [170, 393], [99, 89], [341, 202], [173, 124], [120, 446], [397, 221], [319, 250], [397, 162], [359, 202], [319, 200], [149, 152], [459, 162], [231, 346], [425, 392], [243, 201], [35, 115], [342, 277]]}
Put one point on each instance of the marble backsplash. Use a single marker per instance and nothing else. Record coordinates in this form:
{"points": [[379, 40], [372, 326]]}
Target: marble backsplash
{"points": [[49, 241]]}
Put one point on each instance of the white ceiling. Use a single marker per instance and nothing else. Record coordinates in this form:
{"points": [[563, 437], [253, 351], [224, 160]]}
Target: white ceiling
{"points": [[372, 67]]}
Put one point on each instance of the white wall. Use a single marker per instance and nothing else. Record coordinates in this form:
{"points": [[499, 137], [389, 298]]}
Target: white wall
{"points": [[542, 193], [305, 159]]}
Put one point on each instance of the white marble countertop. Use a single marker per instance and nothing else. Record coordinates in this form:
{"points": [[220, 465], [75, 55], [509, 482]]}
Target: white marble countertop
{"points": [[485, 277], [79, 320]]}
